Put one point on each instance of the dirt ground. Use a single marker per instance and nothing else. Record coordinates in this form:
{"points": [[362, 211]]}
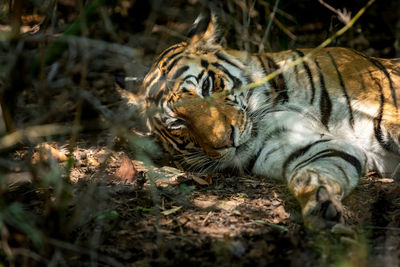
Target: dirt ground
{"points": [[121, 212], [86, 192]]}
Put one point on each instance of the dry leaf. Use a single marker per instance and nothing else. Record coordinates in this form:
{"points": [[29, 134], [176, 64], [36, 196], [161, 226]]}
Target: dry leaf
{"points": [[208, 179], [45, 151], [91, 161], [126, 171], [280, 213], [200, 180], [170, 211]]}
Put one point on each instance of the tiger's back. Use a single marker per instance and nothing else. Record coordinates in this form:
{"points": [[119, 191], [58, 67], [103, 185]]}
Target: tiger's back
{"points": [[319, 126], [355, 96]]}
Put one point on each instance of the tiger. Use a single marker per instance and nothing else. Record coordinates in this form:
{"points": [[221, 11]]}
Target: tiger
{"points": [[318, 126]]}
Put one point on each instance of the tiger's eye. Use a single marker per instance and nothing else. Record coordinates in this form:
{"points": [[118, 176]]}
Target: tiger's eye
{"points": [[205, 88], [206, 84]]}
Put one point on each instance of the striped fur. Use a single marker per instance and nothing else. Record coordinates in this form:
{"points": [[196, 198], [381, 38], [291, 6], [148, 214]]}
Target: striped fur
{"points": [[318, 126]]}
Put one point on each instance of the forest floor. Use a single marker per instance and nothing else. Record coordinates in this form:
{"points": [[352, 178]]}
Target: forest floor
{"points": [[121, 212]]}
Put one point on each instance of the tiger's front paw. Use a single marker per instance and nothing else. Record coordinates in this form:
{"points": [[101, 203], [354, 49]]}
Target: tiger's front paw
{"points": [[324, 212]]}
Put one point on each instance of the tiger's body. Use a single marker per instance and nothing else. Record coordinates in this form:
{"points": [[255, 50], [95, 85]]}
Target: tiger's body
{"points": [[319, 126]]}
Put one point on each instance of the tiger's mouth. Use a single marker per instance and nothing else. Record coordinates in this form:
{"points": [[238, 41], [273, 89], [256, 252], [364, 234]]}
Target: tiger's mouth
{"points": [[239, 140]]}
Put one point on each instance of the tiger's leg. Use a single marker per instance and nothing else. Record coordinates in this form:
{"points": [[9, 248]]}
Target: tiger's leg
{"points": [[320, 175], [319, 197]]}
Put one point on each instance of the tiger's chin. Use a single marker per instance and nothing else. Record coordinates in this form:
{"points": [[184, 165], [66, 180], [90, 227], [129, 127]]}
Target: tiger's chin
{"points": [[237, 155], [233, 160]]}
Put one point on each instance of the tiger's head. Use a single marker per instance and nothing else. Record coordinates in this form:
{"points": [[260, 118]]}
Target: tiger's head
{"points": [[194, 109]]}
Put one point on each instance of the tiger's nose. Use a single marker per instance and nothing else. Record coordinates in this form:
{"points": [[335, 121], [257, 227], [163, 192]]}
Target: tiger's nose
{"points": [[228, 141]]}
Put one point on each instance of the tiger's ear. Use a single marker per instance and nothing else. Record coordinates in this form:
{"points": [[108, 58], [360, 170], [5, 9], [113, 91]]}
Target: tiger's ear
{"points": [[133, 106], [205, 29]]}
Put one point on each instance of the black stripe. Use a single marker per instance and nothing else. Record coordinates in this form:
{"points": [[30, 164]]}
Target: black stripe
{"points": [[157, 121], [222, 84], [199, 76], [340, 168], [157, 98], [175, 124], [278, 84], [222, 57], [296, 70], [309, 75], [204, 63], [325, 104], [263, 65], [252, 161], [190, 76], [344, 90], [298, 153], [275, 132], [329, 153], [168, 59], [378, 120], [384, 70], [205, 88], [171, 99], [361, 79], [166, 51], [236, 82], [151, 79], [173, 63], [379, 65], [268, 69], [212, 76], [272, 151], [179, 72], [248, 79], [280, 81], [164, 133], [250, 94], [179, 145], [153, 89]]}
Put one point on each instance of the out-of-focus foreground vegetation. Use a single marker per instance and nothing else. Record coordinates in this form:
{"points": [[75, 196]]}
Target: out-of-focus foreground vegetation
{"points": [[69, 193]]}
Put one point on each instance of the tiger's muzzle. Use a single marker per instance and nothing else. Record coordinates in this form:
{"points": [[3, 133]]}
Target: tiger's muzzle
{"points": [[210, 122]]}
